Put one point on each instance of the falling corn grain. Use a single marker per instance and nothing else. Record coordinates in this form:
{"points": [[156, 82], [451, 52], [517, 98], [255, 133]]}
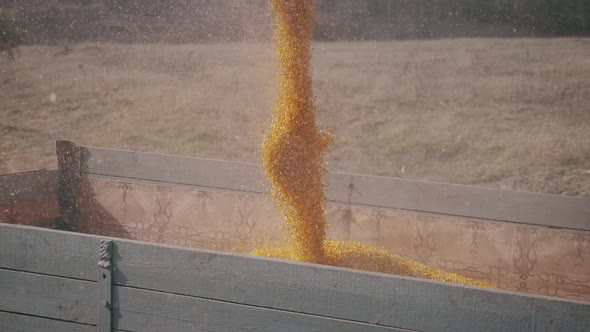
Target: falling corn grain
{"points": [[293, 150], [292, 159]]}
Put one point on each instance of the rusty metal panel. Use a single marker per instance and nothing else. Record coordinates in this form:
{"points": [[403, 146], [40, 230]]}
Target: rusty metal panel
{"points": [[29, 198]]}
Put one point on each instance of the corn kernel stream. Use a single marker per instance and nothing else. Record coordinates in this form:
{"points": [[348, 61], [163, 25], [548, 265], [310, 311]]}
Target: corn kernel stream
{"points": [[292, 155], [293, 149]]}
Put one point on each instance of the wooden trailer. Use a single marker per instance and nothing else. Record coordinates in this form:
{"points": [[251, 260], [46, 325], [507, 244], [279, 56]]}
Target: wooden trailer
{"points": [[130, 241]]}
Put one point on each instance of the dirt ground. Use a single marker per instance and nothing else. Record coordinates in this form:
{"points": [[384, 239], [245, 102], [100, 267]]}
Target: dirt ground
{"points": [[504, 113]]}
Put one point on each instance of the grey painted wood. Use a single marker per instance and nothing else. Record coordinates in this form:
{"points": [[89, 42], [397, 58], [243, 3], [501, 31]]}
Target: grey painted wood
{"points": [[105, 302], [141, 310], [459, 200], [373, 191], [45, 296], [174, 169], [303, 288], [23, 323], [339, 293], [28, 186], [54, 253]]}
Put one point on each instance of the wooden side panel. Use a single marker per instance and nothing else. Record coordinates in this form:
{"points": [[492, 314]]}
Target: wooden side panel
{"points": [[174, 169], [276, 286], [339, 293], [363, 190], [141, 310], [50, 297], [459, 200], [53, 253], [29, 198], [478, 232], [23, 323]]}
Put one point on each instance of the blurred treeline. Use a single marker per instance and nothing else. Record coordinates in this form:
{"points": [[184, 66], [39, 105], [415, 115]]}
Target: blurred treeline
{"points": [[409, 19], [177, 21]]}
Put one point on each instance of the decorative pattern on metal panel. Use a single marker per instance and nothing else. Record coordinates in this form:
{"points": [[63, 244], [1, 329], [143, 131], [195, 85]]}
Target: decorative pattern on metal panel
{"points": [[529, 259]]}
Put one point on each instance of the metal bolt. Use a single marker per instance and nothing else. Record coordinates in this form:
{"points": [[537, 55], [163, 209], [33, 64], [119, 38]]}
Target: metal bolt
{"points": [[105, 303]]}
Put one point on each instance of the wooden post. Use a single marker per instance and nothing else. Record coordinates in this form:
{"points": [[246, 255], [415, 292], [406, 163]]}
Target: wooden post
{"points": [[68, 183], [105, 286]]}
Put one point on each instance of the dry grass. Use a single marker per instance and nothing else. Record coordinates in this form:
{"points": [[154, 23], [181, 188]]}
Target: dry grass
{"points": [[511, 113]]}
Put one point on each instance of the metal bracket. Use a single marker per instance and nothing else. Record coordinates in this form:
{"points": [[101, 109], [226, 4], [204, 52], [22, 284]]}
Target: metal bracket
{"points": [[104, 251], [105, 285]]}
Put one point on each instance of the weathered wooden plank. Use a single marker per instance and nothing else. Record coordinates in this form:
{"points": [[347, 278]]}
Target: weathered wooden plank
{"points": [[23, 323], [339, 293], [374, 191], [28, 186], [141, 310], [46, 296], [308, 289], [174, 169], [460, 200], [54, 253]]}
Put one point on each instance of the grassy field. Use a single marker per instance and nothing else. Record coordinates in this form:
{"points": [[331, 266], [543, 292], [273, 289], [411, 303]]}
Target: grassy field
{"points": [[506, 113]]}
